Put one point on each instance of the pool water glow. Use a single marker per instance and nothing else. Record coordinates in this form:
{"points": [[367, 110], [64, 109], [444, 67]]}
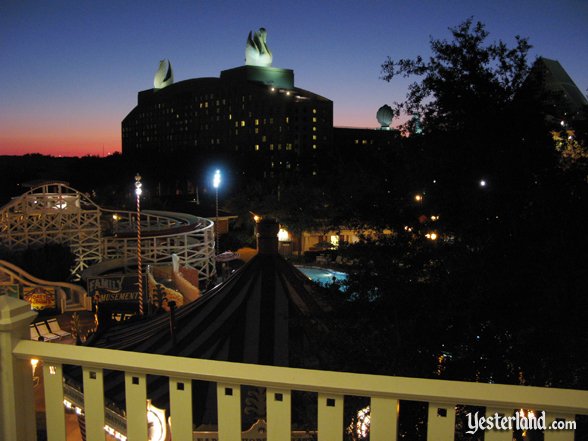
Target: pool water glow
{"points": [[324, 276]]}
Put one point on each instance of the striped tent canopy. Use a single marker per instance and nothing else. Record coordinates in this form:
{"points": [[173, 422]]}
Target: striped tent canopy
{"points": [[267, 312]]}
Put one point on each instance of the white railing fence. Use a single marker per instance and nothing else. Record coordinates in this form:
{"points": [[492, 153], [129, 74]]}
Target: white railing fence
{"points": [[18, 416]]}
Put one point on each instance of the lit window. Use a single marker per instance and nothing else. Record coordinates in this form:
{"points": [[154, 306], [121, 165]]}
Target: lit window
{"points": [[314, 119], [314, 129], [264, 138], [256, 122], [271, 146], [364, 141], [314, 137], [314, 146], [256, 130], [287, 120], [314, 111], [230, 116], [256, 147], [243, 123]]}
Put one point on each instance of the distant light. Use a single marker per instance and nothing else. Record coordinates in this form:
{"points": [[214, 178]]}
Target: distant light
{"points": [[562, 123], [434, 218], [273, 89], [283, 235], [138, 185], [431, 236], [482, 183], [217, 179], [418, 198], [288, 93], [257, 218]]}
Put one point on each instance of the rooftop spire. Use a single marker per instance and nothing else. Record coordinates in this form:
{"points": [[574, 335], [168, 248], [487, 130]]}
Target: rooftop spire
{"points": [[267, 236]]}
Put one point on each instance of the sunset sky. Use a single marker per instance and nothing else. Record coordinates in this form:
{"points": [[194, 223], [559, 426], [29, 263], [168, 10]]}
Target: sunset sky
{"points": [[71, 70]]}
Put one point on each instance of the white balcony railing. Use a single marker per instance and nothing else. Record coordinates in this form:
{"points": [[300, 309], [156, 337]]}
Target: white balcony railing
{"points": [[18, 418]]}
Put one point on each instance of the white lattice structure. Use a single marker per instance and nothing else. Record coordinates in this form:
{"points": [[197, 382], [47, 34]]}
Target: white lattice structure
{"points": [[53, 212]]}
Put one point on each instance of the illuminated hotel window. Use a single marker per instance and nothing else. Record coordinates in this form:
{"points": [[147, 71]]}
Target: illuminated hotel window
{"points": [[357, 141], [288, 146], [364, 141], [314, 146], [236, 123], [314, 137], [256, 130], [314, 119], [264, 138], [314, 129], [287, 120], [271, 146], [256, 147], [243, 123], [313, 110], [256, 122]]}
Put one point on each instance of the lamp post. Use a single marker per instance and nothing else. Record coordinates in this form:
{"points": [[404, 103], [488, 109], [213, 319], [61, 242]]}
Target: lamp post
{"points": [[216, 183], [138, 191]]}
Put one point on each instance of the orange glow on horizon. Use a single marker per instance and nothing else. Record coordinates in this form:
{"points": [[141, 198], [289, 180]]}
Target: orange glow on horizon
{"points": [[63, 145]]}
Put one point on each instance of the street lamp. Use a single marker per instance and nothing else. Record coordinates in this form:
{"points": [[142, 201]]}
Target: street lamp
{"points": [[138, 191], [216, 183]]}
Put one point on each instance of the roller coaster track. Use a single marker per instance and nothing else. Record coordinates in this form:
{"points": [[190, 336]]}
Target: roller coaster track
{"points": [[53, 212]]}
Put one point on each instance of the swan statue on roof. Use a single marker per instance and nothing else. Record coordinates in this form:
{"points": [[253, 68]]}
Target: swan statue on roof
{"points": [[164, 75], [257, 52]]}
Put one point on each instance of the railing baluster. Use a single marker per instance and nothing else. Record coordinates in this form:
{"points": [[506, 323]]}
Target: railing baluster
{"points": [[180, 394], [495, 434], [383, 419], [136, 398], [441, 422], [558, 435], [229, 411], [279, 414], [94, 403], [330, 417], [54, 410]]}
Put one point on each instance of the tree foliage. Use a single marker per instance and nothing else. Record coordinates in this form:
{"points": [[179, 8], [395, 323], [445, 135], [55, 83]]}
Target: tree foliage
{"points": [[464, 80], [492, 297]]}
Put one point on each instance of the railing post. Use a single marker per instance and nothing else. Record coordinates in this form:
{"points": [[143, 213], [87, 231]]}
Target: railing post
{"points": [[17, 404]]}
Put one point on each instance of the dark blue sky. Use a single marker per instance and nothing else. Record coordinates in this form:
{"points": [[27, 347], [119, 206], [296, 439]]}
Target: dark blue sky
{"points": [[71, 70]]}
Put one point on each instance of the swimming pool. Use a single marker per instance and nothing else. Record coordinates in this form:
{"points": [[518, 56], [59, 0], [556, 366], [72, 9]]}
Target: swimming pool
{"points": [[324, 276]]}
